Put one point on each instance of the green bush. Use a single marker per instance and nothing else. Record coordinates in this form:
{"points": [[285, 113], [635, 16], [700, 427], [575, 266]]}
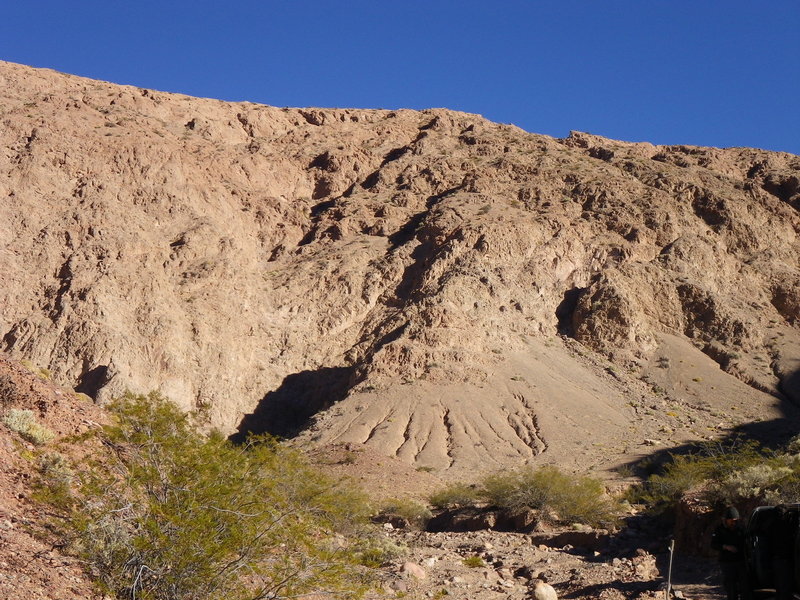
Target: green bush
{"points": [[171, 515], [664, 489], [474, 562], [456, 495], [568, 498], [378, 551], [24, 423], [557, 495], [415, 513], [725, 472], [784, 491]]}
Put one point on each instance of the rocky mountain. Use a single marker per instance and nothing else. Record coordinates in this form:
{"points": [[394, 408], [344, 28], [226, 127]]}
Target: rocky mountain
{"points": [[460, 294]]}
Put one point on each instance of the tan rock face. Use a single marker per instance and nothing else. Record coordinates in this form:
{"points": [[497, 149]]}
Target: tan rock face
{"points": [[417, 266]]}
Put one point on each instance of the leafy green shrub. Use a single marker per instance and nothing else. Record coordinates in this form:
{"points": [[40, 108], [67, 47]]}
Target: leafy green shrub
{"points": [[571, 498], [55, 480], [473, 562], [455, 495], [784, 491], [378, 551], [413, 512], [752, 481], [664, 489], [24, 423], [171, 515], [725, 471]]}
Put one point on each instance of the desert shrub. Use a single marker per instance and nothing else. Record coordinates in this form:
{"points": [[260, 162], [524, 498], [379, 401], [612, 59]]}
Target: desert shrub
{"points": [[665, 488], [56, 477], [455, 495], [415, 513], [793, 445], [751, 482], [568, 498], [378, 551], [24, 423], [784, 491], [725, 472], [474, 562], [171, 515]]}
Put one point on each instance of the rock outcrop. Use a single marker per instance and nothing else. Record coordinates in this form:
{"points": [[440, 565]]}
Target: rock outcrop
{"points": [[455, 292]]}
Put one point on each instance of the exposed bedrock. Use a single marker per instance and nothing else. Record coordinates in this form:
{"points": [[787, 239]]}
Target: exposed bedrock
{"points": [[234, 256]]}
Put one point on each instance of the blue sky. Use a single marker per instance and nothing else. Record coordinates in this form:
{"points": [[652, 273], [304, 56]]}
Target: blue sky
{"points": [[711, 73]]}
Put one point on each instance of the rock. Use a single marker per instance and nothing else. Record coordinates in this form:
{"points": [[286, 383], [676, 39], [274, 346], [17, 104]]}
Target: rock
{"points": [[544, 591], [524, 520], [490, 575], [644, 567], [594, 539], [414, 570], [526, 572], [505, 573], [468, 519], [399, 585]]}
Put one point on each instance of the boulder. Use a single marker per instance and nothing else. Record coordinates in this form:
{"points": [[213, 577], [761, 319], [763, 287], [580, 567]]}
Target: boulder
{"points": [[413, 570], [591, 540], [544, 591]]}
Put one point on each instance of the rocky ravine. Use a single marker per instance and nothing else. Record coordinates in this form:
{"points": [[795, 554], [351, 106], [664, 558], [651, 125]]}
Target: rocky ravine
{"points": [[457, 293]]}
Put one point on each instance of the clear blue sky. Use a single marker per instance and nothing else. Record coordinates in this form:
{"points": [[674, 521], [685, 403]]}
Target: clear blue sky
{"points": [[704, 72]]}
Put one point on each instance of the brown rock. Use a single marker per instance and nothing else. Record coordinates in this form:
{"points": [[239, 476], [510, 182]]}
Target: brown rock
{"points": [[544, 591], [594, 539], [414, 570], [644, 566], [400, 279]]}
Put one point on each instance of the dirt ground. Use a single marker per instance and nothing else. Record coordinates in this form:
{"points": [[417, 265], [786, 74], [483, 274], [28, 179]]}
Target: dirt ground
{"points": [[512, 563]]}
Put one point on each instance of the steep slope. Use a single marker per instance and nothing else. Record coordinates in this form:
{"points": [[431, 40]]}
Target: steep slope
{"points": [[423, 275], [32, 559]]}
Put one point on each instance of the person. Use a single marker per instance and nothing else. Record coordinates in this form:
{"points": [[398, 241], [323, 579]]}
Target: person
{"points": [[728, 540]]}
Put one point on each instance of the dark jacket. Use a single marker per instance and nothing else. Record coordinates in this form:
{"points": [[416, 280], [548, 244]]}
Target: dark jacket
{"points": [[724, 536]]}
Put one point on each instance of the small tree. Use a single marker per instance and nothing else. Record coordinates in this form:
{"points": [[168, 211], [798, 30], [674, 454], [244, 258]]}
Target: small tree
{"points": [[171, 515]]}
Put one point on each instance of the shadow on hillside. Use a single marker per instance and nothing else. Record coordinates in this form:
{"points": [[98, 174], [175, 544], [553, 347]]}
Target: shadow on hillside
{"points": [[770, 434], [286, 411], [790, 386]]}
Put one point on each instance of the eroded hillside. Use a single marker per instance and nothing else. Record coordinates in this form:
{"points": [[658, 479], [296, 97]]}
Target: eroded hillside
{"points": [[455, 292]]}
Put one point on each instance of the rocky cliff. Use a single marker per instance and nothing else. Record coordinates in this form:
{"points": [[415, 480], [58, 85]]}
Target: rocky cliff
{"points": [[459, 293]]}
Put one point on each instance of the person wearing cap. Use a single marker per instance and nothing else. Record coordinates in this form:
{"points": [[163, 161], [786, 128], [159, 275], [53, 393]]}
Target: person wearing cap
{"points": [[728, 540]]}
